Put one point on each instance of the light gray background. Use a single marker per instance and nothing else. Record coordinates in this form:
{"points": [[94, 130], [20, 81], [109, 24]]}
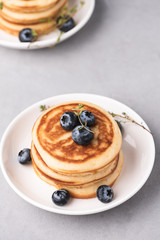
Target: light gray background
{"points": [[117, 54]]}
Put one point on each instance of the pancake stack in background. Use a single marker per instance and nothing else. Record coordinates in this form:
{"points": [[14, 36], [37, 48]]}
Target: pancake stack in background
{"points": [[59, 161], [39, 15]]}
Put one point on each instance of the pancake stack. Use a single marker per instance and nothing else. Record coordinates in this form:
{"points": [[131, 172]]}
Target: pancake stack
{"points": [[39, 15], [59, 161]]}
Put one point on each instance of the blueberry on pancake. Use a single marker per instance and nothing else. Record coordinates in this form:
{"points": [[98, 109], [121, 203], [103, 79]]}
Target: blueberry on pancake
{"points": [[87, 118], [68, 121], [81, 135]]}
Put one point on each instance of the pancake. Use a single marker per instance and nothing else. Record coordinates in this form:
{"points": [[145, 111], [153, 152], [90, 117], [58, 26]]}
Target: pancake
{"points": [[60, 162], [29, 6], [14, 29], [73, 179], [62, 154], [32, 17], [84, 190], [39, 15]]}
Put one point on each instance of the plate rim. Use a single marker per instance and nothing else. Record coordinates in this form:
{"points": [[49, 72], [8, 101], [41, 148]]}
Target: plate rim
{"points": [[61, 210], [50, 42]]}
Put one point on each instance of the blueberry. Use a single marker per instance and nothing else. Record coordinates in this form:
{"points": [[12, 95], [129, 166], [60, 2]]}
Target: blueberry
{"points": [[24, 156], [65, 24], [68, 121], [105, 193], [60, 197], [27, 35], [81, 136], [87, 118], [120, 126]]}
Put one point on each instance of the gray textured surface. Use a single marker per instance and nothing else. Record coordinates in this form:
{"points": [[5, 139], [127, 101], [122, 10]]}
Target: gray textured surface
{"points": [[117, 54]]}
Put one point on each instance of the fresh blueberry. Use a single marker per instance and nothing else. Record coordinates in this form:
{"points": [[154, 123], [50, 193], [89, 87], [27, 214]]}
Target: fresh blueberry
{"points": [[81, 136], [87, 118], [65, 24], [105, 193], [68, 121], [60, 197], [120, 126], [24, 156], [27, 35]]}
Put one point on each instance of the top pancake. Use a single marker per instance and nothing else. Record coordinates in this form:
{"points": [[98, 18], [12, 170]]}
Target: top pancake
{"points": [[61, 153]]}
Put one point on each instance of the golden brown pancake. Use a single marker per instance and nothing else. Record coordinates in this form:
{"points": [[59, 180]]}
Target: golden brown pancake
{"points": [[29, 6], [39, 15], [74, 179], [32, 17], [84, 190], [14, 29], [59, 161], [61, 153]]}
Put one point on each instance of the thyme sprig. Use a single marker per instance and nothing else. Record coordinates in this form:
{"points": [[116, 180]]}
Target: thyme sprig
{"points": [[71, 12], [44, 107], [78, 112], [59, 37], [65, 12], [1, 5], [42, 20], [128, 118], [84, 126], [77, 109]]}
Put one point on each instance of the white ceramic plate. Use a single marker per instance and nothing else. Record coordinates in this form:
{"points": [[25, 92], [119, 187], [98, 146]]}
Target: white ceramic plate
{"points": [[81, 18], [138, 148]]}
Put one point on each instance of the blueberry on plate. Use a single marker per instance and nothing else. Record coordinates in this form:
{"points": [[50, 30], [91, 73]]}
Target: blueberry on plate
{"points": [[68, 121], [60, 197], [27, 35], [105, 193], [24, 156], [81, 135], [87, 118], [66, 23]]}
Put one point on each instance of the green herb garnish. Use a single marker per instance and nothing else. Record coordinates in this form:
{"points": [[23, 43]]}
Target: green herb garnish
{"points": [[43, 20], [59, 37], [64, 9], [80, 106], [124, 116], [63, 18], [73, 10], [44, 107], [34, 33], [82, 3], [1, 5]]}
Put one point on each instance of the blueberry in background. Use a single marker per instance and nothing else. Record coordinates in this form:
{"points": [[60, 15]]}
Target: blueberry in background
{"points": [[105, 193], [65, 25], [82, 136], [120, 126], [24, 156], [87, 118], [60, 197], [27, 35], [68, 121]]}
